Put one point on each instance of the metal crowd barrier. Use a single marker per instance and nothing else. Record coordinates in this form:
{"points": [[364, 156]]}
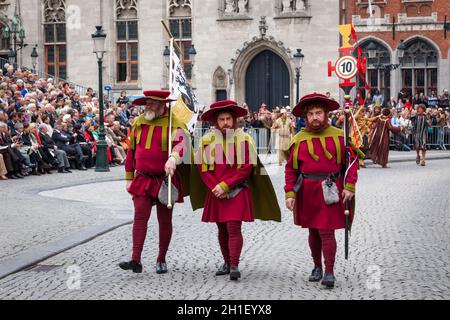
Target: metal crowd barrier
{"points": [[265, 140], [436, 137]]}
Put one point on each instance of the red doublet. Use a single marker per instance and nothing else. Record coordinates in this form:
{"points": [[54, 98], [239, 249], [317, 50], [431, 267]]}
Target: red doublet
{"points": [[310, 210], [239, 208], [151, 163]]}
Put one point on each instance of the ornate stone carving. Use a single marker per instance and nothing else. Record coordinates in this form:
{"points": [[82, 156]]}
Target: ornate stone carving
{"points": [[54, 10], [263, 27], [293, 6], [179, 4], [235, 7], [4, 4], [126, 9], [220, 78], [257, 40]]}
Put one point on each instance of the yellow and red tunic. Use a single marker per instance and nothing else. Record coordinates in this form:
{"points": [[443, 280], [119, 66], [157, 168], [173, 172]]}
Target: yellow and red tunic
{"points": [[148, 154], [318, 153]]}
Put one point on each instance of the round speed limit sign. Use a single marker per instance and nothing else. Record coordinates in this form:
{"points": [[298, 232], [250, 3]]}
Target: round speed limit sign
{"points": [[346, 67]]}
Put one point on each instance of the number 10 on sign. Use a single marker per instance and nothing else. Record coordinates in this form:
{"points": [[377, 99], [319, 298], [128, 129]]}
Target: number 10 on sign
{"points": [[346, 67]]}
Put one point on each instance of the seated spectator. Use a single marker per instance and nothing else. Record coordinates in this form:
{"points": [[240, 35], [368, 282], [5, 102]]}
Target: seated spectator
{"points": [[61, 156], [86, 146], [66, 141], [10, 149]]}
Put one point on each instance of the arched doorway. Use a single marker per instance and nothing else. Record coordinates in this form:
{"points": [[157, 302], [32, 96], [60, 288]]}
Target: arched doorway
{"points": [[267, 80]]}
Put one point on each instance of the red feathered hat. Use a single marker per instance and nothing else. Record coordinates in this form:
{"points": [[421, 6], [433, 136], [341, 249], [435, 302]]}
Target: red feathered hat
{"points": [[299, 109], [157, 95], [222, 106]]}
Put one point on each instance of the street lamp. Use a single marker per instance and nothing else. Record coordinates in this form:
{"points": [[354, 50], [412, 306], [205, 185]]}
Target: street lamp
{"points": [[192, 53], [99, 39], [11, 56], [18, 32], [166, 56], [401, 50], [372, 50], [298, 61], [34, 56]]}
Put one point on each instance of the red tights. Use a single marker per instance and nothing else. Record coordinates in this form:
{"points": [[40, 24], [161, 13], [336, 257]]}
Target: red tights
{"points": [[142, 210], [231, 241], [323, 241]]}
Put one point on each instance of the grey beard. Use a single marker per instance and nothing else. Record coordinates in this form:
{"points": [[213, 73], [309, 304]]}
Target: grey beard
{"points": [[150, 115]]}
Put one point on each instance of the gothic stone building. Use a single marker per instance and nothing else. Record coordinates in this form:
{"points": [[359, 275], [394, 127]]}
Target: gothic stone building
{"points": [[244, 48]]}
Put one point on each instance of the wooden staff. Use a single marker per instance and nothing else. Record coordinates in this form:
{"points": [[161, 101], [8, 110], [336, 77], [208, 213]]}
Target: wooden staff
{"points": [[172, 43], [347, 163]]}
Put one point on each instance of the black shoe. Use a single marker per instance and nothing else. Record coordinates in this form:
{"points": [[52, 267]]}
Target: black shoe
{"points": [[82, 168], [19, 176], [161, 267], [12, 176], [67, 170], [316, 275], [223, 270], [61, 170], [328, 280], [234, 273], [131, 265]]}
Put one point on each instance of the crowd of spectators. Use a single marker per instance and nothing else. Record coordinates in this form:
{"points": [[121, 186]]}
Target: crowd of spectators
{"points": [[47, 126]]}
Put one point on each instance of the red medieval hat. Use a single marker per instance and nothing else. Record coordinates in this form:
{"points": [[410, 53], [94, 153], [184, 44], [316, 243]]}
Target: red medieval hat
{"points": [[299, 109], [157, 95], [223, 106]]}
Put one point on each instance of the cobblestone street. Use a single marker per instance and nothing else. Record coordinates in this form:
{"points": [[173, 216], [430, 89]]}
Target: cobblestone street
{"points": [[399, 248]]}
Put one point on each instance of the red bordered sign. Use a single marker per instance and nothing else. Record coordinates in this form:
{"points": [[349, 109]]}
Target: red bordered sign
{"points": [[346, 67]]}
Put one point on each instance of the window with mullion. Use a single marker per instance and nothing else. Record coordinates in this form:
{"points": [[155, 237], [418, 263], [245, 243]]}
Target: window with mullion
{"points": [[432, 80], [133, 61], [55, 49], [127, 51], [181, 29]]}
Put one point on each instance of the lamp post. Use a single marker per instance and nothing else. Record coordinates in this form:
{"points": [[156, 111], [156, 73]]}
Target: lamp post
{"points": [[166, 59], [34, 56], [192, 53], [298, 60], [372, 53], [18, 32], [166, 56], [99, 39], [11, 56]]}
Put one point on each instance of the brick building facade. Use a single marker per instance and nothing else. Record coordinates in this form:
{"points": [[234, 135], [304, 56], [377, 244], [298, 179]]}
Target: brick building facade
{"points": [[420, 25]]}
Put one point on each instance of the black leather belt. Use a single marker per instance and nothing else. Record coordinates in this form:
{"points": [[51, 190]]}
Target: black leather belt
{"points": [[321, 176], [315, 176], [145, 175]]}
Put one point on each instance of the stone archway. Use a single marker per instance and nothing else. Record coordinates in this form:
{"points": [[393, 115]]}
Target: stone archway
{"points": [[246, 55], [267, 81]]}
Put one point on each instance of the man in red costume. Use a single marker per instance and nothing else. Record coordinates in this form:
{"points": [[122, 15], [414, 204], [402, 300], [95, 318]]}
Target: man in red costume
{"points": [[236, 191], [147, 165], [317, 156]]}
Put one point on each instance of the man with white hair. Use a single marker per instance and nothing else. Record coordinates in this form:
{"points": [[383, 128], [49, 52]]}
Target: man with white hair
{"points": [[147, 165]]}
